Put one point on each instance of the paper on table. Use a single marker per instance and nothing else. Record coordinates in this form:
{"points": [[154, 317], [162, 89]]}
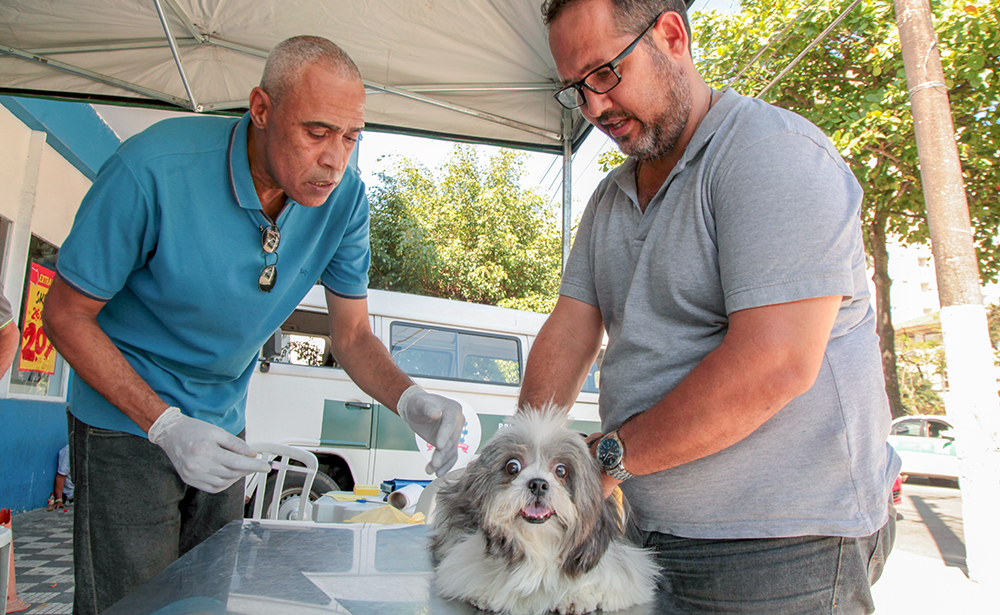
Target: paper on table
{"points": [[386, 514]]}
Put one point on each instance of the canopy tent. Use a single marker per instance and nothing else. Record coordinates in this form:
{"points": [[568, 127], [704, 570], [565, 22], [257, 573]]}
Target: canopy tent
{"points": [[459, 69], [467, 70]]}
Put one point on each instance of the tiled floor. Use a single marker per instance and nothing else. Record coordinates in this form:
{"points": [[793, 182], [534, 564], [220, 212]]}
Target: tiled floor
{"points": [[43, 560]]}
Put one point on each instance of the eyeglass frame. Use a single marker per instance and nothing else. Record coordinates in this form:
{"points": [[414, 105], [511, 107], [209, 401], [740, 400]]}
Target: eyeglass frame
{"points": [[612, 65]]}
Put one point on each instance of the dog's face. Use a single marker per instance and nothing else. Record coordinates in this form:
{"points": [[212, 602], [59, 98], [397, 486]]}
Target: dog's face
{"points": [[535, 472], [534, 481]]}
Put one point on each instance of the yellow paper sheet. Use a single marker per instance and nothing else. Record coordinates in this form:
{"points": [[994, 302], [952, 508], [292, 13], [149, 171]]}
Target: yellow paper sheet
{"points": [[386, 514]]}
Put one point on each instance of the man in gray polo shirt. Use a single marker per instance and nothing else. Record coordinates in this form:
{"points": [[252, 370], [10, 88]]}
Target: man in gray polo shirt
{"points": [[742, 397]]}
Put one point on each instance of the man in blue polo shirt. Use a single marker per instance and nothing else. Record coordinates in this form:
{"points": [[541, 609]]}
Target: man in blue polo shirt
{"points": [[170, 282]]}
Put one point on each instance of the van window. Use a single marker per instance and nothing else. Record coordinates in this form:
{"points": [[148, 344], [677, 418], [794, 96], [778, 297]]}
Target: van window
{"points": [[451, 354]]}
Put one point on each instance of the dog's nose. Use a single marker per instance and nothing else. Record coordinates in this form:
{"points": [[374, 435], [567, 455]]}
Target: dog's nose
{"points": [[538, 486]]}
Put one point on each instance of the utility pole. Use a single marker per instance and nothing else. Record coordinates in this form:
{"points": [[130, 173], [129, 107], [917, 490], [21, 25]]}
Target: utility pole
{"points": [[972, 402]]}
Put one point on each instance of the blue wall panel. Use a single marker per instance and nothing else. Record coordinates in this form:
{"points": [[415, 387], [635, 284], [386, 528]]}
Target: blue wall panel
{"points": [[31, 435], [73, 129]]}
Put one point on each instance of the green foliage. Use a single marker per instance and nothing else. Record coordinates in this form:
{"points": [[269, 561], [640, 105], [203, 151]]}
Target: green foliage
{"points": [[473, 234], [993, 320], [913, 360], [304, 351], [609, 159], [853, 86]]}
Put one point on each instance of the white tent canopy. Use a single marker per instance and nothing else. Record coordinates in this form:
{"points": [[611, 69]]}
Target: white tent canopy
{"points": [[468, 70], [461, 69]]}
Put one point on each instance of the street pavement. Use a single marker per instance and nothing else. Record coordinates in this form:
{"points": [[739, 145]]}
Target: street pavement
{"points": [[926, 572]]}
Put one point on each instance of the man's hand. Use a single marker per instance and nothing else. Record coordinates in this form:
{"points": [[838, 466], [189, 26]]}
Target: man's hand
{"points": [[436, 419], [608, 484], [205, 456]]}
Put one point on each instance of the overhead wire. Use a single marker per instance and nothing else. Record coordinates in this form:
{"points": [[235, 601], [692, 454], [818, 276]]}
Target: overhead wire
{"points": [[809, 48], [777, 41]]}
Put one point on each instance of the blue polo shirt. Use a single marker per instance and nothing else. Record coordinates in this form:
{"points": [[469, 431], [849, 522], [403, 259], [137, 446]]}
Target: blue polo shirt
{"points": [[169, 236]]}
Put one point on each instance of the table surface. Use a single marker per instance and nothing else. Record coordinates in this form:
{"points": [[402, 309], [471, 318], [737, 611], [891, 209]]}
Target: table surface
{"points": [[267, 567]]}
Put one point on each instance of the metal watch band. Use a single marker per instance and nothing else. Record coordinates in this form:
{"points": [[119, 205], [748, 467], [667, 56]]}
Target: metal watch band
{"points": [[619, 473]]}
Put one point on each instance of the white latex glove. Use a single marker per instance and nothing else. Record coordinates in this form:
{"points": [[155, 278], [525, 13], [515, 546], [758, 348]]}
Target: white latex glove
{"points": [[206, 457], [436, 419]]}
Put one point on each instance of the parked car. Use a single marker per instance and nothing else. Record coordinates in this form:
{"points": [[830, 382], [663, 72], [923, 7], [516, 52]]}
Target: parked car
{"points": [[897, 490], [926, 444]]}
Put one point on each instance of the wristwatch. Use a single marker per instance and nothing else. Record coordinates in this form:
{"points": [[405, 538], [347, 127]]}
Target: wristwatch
{"points": [[610, 452]]}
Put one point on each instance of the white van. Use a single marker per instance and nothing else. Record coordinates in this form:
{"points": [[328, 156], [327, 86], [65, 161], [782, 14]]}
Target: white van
{"points": [[469, 352]]}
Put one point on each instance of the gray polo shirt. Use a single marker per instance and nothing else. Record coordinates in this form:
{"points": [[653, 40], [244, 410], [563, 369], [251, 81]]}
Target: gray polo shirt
{"points": [[760, 210]]}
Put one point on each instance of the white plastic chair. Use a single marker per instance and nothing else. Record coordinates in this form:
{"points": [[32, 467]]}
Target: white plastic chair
{"points": [[279, 455]]}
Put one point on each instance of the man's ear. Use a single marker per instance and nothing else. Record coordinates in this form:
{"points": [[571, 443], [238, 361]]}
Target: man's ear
{"points": [[260, 108], [671, 35]]}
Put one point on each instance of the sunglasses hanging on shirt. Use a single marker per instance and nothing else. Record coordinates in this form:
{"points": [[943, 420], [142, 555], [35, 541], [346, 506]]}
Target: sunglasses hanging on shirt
{"points": [[270, 239]]}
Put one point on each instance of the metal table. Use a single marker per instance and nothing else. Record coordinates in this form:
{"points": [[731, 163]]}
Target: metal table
{"points": [[290, 568]]}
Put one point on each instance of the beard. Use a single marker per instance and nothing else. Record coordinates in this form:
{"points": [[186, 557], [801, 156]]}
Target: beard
{"points": [[658, 137]]}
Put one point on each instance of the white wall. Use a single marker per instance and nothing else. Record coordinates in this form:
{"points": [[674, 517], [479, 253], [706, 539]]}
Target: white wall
{"points": [[39, 194]]}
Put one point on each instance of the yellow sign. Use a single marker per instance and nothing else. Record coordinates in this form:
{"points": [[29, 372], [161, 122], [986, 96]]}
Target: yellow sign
{"points": [[37, 352]]}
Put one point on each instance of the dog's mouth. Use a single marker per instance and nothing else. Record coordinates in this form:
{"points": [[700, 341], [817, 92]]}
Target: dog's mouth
{"points": [[536, 512]]}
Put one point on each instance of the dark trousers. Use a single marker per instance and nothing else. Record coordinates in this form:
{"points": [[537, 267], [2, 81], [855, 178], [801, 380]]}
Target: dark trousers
{"points": [[805, 575], [133, 514]]}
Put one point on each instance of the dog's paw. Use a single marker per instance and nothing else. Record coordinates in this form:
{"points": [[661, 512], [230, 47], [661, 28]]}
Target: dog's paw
{"points": [[578, 603], [481, 605]]}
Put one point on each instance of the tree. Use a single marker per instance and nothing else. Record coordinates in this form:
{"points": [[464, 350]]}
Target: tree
{"points": [[853, 86], [916, 385], [473, 234]]}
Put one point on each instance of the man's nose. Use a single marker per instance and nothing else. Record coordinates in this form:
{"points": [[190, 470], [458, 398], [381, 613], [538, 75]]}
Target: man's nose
{"points": [[594, 104], [336, 155]]}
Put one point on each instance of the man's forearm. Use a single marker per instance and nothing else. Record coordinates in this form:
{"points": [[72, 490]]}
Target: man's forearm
{"points": [[770, 356], [58, 490], [88, 350], [562, 354], [369, 364], [10, 336]]}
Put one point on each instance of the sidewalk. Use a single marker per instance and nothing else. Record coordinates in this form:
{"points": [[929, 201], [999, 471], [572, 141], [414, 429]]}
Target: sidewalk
{"points": [[915, 584], [43, 560]]}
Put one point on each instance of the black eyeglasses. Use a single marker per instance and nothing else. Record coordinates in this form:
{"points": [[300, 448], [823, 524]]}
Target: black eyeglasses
{"points": [[270, 239], [602, 79]]}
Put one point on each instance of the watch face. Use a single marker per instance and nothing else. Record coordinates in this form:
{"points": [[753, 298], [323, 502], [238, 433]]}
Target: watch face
{"points": [[609, 453]]}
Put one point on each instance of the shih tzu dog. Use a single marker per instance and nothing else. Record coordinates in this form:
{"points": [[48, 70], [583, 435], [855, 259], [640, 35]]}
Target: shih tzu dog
{"points": [[526, 529]]}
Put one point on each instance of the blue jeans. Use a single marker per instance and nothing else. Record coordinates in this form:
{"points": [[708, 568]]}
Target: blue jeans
{"points": [[771, 576], [133, 515]]}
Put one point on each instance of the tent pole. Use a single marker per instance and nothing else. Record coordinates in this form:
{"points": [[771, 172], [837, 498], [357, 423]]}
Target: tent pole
{"points": [[177, 58], [567, 185], [89, 74], [460, 109]]}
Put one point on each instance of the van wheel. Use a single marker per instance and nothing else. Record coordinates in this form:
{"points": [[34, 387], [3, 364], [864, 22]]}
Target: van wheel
{"points": [[288, 506]]}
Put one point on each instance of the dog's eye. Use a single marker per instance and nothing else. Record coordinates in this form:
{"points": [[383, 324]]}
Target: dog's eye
{"points": [[561, 471], [513, 467]]}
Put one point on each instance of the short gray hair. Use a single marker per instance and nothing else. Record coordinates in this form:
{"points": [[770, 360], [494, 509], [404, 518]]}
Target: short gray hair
{"points": [[631, 16], [289, 57]]}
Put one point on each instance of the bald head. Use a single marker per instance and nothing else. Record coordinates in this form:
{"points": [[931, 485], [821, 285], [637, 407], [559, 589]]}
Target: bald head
{"points": [[290, 57]]}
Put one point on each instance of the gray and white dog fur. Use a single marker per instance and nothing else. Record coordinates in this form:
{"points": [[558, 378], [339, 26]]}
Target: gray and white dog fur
{"points": [[525, 530]]}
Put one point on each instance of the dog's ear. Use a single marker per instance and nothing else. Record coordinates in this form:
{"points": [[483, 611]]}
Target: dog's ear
{"points": [[598, 526]]}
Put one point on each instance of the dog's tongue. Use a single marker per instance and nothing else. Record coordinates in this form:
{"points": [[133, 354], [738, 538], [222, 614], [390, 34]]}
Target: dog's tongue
{"points": [[536, 513]]}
